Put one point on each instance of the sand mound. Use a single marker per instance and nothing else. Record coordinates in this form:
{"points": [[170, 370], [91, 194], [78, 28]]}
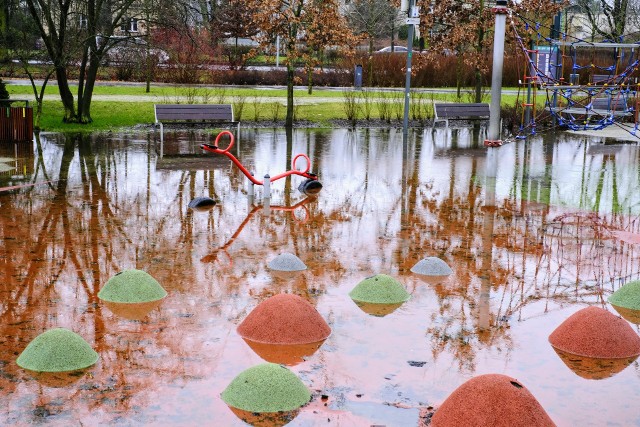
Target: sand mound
{"points": [[132, 286], [57, 350], [627, 296], [493, 401], [594, 332], [379, 289], [284, 319], [266, 388], [287, 262], [431, 266]]}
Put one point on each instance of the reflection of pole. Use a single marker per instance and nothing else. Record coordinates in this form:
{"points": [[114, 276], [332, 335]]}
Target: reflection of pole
{"points": [[496, 79], [407, 85], [484, 306]]}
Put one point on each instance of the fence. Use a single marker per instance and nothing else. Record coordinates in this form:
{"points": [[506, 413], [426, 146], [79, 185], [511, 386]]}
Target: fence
{"points": [[16, 123]]}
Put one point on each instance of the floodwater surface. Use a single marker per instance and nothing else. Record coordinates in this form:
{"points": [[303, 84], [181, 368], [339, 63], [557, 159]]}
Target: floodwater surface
{"points": [[534, 231]]}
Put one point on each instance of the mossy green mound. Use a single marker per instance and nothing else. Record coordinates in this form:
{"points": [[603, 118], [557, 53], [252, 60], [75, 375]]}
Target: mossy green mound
{"points": [[627, 296], [132, 286], [379, 289], [57, 350], [266, 388]]}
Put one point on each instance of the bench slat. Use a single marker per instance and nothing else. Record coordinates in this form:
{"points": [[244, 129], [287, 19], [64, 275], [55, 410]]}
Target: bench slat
{"points": [[477, 110], [182, 112], [197, 115]]}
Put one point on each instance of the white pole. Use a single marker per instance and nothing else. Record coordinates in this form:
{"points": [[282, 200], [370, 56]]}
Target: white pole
{"points": [[267, 187], [250, 187], [500, 11], [407, 84]]}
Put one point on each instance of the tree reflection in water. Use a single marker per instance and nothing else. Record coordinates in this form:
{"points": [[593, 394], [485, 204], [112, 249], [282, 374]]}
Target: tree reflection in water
{"points": [[532, 236]]}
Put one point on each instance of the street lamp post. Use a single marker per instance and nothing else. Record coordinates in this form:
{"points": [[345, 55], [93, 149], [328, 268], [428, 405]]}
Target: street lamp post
{"points": [[493, 135], [411, 20]]}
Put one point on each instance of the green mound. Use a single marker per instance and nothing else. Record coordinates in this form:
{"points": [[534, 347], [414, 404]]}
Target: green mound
{"points": [[266, 388], [627, 296], [57, 350], [132, 286], [379, 289]]}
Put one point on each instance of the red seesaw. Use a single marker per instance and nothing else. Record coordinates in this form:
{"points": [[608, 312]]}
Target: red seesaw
{"points": [[217, 150]]}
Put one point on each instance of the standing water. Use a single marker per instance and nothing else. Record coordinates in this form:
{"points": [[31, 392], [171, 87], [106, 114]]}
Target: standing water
{"points": [[534, 231]]}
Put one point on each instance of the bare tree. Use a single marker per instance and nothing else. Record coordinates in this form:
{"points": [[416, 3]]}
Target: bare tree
{"points": [[606, 18], [373, 18], [72, 27], [299, 24]]}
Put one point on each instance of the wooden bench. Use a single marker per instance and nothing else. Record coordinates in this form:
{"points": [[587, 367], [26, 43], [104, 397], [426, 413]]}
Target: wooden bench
{"points": [[194, 113], [446, 112]]}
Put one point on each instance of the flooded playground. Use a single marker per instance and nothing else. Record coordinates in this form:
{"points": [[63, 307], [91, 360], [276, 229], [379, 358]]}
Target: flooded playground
{"points": [[534, 231]]}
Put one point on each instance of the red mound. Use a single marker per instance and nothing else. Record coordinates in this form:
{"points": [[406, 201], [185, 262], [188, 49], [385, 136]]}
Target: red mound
{"points": [[284, 319], [594, 332], [491, 400]]}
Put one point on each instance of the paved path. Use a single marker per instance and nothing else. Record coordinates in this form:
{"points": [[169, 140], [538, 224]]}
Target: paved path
{"points": [[169, 98]]}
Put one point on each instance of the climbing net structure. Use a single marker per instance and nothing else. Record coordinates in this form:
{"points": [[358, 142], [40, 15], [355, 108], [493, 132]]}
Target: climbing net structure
{"points": [[580, 95]]}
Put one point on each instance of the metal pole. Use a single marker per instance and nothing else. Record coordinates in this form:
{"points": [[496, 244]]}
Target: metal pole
{"points": [[493, 136], [277, 51], [407, 85], [266, 185]]}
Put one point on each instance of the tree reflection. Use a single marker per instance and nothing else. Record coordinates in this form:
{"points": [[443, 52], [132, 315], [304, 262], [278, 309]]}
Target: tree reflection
{"points": [[541, 230]]}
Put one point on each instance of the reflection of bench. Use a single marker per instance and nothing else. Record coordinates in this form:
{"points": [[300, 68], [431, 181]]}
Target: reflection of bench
{"points": [[194, 113], [446, 112]]}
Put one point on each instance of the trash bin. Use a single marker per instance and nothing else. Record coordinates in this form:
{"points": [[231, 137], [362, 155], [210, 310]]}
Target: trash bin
{"points": [[357, 77]]}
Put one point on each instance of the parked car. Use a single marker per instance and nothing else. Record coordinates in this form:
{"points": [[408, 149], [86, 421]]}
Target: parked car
{"points": [[395, 49], [134, 50]]}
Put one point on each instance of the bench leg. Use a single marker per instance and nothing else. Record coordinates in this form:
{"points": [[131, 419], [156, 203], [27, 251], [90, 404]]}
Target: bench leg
{"points": [[161, 140]]}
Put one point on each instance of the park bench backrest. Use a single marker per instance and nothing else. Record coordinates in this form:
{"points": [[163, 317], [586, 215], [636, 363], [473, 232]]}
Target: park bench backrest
{"points": [[461, 111], [608, 102], [599, 78], [194, 112]]}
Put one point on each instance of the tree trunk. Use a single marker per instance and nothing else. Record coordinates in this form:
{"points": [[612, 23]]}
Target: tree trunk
{"points": [[3, 31], [68, 103], [290, 75], [370, 64], [478, 96], [458, 75], [84, 114], [478, 73]]}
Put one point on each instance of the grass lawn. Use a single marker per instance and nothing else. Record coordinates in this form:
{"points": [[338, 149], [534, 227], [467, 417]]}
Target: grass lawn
{"points": [[256, 104]]}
